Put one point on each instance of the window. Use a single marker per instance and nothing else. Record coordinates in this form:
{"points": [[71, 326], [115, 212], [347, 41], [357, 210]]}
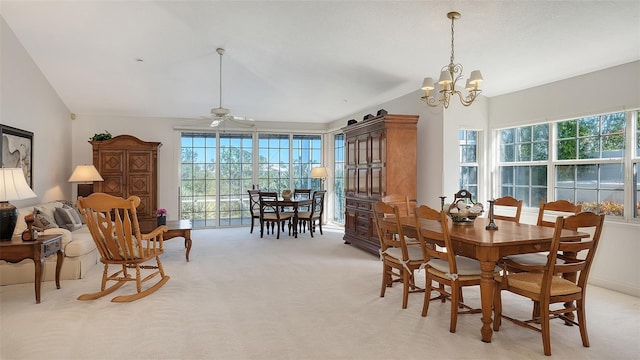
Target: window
{"points": [[307, 151], [273, 162], [338, 179], [524, 152], [212, 191], [198, 178], [599, 184], [218, 169], [588, 166], [636, 170], [469, 161]]}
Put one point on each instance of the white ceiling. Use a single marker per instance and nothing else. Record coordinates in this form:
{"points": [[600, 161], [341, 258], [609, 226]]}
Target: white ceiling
{"points": [[307, 61]]}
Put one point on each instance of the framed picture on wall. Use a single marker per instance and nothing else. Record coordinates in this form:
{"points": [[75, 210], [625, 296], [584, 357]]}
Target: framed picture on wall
{"points": [[17, 150]]}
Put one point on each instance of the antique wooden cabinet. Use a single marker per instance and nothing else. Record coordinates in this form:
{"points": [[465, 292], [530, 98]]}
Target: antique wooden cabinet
{"points": [[129, 166], [380, 159]]}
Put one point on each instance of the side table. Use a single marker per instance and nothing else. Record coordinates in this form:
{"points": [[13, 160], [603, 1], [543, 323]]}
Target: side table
{"points": [[17, 250], [180, 228]]}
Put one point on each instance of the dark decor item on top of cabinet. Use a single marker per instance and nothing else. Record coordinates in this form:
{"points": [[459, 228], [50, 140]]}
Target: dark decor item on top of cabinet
{"points": [[129, 166], [380, 159]]}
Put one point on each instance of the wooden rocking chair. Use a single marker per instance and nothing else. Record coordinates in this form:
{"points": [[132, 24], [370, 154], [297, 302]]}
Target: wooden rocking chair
{"points": [[113, 224]]}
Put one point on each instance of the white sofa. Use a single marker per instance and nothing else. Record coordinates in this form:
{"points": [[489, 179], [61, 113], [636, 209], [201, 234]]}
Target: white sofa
{"points": [[80, 253]]}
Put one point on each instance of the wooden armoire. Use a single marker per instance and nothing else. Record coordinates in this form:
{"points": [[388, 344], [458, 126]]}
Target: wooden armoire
{"points": [[380, 159], [129, 166]]}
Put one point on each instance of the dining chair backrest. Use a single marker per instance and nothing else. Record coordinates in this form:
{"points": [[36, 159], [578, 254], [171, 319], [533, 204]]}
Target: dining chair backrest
{"points": [[254, 202], [269, 203], [390, 231], [555, 208], [584, 249], [402, 202], [429, 238], [508, 204], [317, 206], [302, 193]]}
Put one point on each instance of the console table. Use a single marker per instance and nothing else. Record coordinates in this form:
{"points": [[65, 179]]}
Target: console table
{"points": [[17, 250]]}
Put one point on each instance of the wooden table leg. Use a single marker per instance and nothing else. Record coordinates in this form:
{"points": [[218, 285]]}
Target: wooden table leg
{"points": [[187, 242], [487, 288], [39, 264], [59, 261]]}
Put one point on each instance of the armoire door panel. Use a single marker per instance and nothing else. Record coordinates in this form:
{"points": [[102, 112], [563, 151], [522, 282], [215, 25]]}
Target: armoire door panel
{"points": [[112, 184], [139, 184], [112, 161], [377, 182], [139, 162], [363, 182]]}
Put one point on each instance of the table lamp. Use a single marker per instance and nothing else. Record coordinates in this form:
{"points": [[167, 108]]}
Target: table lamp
{"points": [[85, 175], [13, 186], [319, 173]]}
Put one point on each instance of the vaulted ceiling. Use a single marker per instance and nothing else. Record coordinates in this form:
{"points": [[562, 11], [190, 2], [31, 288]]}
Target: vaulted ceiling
{"points": [[306, 61]]}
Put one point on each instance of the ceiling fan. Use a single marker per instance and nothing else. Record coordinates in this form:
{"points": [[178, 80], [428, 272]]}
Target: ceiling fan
{"points": [[220, 114]]}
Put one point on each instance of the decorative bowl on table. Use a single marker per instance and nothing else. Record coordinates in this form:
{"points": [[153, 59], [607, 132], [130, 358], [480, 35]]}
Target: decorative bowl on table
{"points": [[462, 213], [286, 194]]}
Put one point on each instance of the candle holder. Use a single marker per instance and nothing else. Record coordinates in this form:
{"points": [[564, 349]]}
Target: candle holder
{"points": [[442, 202], [492, 225]]}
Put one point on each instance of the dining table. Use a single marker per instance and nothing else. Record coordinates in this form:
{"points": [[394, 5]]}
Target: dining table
{"points": [[295, 204], [488, 247]]}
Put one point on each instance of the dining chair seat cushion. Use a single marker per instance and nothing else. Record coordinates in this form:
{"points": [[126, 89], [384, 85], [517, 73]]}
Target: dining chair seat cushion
{"points": [[529, 259], [532, 282], [415, 253], [465, 265], [274, 217]]}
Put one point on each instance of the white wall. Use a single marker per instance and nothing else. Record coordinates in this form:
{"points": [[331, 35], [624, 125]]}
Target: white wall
{"points": [[28, 102]]}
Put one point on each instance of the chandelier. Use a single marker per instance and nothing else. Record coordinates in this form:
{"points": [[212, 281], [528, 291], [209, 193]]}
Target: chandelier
{"points": [[449, 76]]}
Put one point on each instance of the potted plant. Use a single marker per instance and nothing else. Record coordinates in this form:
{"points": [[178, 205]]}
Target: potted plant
{"points": [[161, 216], [101, 136]]}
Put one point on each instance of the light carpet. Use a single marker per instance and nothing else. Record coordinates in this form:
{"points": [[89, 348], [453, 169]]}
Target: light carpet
{"points": [[243, 297]]}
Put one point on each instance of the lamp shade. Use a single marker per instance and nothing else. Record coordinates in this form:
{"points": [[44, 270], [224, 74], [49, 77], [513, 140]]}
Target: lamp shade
{"points": [[427, 84], [13, 185], [85, 173], [319, 172]]}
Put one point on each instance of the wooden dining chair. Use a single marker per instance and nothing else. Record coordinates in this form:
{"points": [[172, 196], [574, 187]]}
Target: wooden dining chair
{"points": [[302, 194], [544, 284], [271, 213], [113, 224], [254, 206], [444, 266], [509, 204], [315, 213], [399, 258]]}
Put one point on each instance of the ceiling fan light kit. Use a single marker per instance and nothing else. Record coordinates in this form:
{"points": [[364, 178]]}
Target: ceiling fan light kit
{"points": [[449, 77]]}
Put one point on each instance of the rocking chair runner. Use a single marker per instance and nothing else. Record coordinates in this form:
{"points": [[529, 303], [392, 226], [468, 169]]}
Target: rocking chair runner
{"points": [[113, 224]]}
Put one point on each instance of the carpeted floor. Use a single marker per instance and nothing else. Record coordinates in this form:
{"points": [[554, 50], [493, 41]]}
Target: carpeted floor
{"points": [[243, 297]]}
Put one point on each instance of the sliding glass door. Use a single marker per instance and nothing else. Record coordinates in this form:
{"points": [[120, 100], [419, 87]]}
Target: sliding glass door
{"points": [[213, 185]]}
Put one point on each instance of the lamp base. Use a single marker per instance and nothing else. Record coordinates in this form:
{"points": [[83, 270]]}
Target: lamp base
{"points": [[85, 190], [8, 220]]}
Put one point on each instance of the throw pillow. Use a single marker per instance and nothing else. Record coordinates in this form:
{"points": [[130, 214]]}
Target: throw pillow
{"points": [[67, 218], [42, 221], [72, 205]]}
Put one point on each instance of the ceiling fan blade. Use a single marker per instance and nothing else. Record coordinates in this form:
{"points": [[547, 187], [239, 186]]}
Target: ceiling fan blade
{"points": [[242, 118]]}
